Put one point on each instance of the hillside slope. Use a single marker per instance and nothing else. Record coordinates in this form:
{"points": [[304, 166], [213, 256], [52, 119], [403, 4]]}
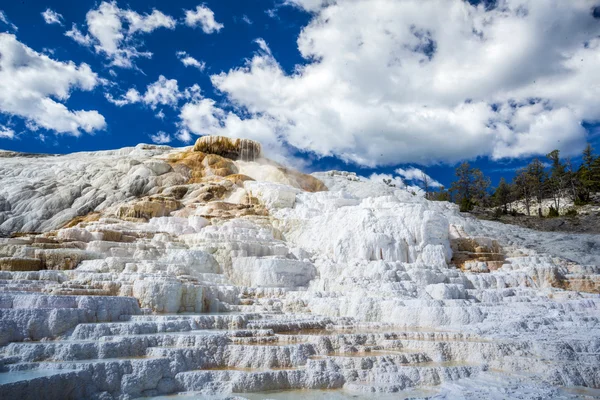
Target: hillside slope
{"points": [[208, 271]]}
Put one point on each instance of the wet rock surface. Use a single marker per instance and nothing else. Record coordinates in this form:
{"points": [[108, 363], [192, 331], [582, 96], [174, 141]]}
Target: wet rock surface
{"points": [[213, 277]]}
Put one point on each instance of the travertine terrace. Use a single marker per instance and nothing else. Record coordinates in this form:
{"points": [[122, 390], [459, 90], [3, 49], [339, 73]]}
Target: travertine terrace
{"points": [[212, 272]]}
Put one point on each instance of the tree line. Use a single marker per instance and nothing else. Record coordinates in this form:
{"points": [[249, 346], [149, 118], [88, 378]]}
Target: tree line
{"points": [[554, 179]]}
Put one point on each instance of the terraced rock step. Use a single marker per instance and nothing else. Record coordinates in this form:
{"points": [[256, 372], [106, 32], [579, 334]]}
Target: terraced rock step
{"points": [[161, 271], [315, 394], [166, 356], [188, 360]]}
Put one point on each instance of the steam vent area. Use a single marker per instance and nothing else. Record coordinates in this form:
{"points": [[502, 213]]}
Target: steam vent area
{"points": [[212, 272]]}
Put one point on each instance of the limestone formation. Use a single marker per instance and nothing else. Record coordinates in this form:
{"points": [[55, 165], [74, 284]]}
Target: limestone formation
{"points": [[20, 264], [234, 149], [213, 273]]}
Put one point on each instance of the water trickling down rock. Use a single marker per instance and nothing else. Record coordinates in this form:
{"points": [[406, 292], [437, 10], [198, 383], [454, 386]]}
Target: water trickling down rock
{"points": [[235, 149]]}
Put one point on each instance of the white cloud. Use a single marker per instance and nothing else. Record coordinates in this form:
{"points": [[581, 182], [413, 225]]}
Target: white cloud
{"points": [[34, 87], [161, 138], [108, 35], [130, 97], [272, 13], [202, 116], [52, 17], [203, 17], [163, 92], [79, 37], [148, 23], [308, 5], [397, 182], [193, 92], [389, 82], [6, 132], [247, 19], [184, 136], [4, 19], [190, 61], [393, 180], [415, 174]]}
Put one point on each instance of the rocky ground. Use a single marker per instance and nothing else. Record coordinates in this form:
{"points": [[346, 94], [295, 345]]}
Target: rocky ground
{"points": [[212, 273], [587, 219]]}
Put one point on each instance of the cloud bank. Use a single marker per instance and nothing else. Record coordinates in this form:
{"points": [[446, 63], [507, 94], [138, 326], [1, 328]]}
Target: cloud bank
{"points": [[388, 82], [34, 87]]}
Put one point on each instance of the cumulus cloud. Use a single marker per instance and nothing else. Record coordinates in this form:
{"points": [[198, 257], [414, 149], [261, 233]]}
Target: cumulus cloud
{"points": [[52, 17], [203, 17], [190, 61], [113, 32], [164, 92], [202, 116], [34, 87], [415, 174], [388, 82], [6, 132], [161, 138], [184, 136], [147, 23]]}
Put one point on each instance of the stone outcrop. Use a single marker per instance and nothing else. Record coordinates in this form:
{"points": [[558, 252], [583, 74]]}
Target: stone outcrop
{"points": [[200, 274], [20, 264], [235, 149], [147, 208], [476, 254]]}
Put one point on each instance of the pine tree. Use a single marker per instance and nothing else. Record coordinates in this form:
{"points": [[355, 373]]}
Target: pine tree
{"points": [[572, 182], [523, 184], [441, 195], [537, 179], [556, 180], [588, 156], [595, 173], [502, 195], [470, 188], [588, 173]]}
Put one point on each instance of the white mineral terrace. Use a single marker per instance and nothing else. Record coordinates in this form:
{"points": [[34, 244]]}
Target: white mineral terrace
{"points": [[149, 272]]}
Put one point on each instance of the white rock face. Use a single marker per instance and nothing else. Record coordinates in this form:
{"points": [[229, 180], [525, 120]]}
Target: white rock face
{"points": [[272, 195], [42, 193], [170, 282], [272, 272]]}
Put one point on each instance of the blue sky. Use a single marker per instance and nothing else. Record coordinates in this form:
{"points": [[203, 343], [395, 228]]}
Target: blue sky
{"points": [[365, 86]]}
